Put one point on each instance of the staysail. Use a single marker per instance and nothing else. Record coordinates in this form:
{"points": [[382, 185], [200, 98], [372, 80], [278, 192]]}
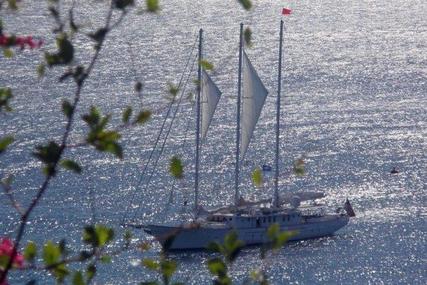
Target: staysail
{"points": [[210, 97], [254, 94]]}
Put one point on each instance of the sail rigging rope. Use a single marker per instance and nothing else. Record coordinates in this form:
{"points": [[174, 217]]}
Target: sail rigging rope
{"points": [[168, 131], [125, 215], [183, 147]]}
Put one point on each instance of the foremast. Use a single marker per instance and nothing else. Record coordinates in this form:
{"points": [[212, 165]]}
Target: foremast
{"points": [[277, 150], [239, 91], [199, 91]]}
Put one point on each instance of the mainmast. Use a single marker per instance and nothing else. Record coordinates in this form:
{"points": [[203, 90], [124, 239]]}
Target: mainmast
{"points": [[239, 90], [279, 86], [199, 90]]}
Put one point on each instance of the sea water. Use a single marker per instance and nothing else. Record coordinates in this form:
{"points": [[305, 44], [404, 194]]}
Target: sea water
{"points": [[353, 107]]}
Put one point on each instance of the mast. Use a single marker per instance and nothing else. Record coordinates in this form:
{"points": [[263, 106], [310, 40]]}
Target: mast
{"points": [[239, 90], [279, 86], [199, 89]]}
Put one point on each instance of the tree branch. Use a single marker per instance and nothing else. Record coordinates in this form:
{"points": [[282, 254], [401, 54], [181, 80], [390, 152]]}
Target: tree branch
{"points": [[44, 186]]}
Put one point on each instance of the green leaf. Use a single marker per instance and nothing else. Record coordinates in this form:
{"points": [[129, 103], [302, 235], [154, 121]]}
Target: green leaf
{"points": [[173, 90], [5, 142], [167, 268], [217, 267], [299, 167], [4, 259], [214, 247], [113, 148], [30, 251], [190, 97], [7, 181], [123, 4], [283, 238], [232, 246], [78, 279], [93, 118], [143, 117], [63, 247], [248, 36], [98, 235], [12, 4], [259, 277], [105, 259], [5, 97], [8, 53], [67, 108], [71, 165], [66, 49], [273, 230], [150, 264], [65, 54], [206, 65], [257, 177], [176, 168], [51, 253], [128, 235], [41, 68], [48, 154], [60, 272], [277, 237], [126, 115], [127, 238], [102, 140], [105, 235], [247, 4], [144, 246], [90, 272], [152, 5]]}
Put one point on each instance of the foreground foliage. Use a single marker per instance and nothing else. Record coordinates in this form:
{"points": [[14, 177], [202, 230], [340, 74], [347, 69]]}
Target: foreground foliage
{"points": [[100, 243]]}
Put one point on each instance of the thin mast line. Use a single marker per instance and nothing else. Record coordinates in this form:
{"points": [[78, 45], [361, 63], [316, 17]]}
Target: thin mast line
{"points": [[279, 87], [199, 87], [239, 91]]}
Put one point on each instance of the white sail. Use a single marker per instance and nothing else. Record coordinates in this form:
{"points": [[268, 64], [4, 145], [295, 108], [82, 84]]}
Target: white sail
{"points": [[254, 94], [210, 97]]}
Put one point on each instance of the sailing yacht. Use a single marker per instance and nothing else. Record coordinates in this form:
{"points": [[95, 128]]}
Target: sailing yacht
{"points": [[250, 220]]}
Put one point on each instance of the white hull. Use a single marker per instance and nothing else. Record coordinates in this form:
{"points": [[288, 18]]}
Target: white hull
{"points": [[194, 236]]}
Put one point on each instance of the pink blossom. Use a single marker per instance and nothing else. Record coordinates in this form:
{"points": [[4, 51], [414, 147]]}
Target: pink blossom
{"points": [[21, 41], [6, 248]]}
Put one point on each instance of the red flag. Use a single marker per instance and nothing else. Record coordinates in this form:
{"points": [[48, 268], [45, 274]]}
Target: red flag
{"points": [[286, 11]]}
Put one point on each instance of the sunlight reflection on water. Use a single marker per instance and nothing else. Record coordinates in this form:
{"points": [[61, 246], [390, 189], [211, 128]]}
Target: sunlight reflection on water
{"points": [[354, 106]]}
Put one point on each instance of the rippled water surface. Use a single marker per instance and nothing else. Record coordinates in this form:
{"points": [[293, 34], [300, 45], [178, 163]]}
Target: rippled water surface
{"points": [[354, 106]]}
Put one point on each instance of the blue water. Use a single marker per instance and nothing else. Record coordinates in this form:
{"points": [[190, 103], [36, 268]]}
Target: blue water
{"points": [[354, 105]]}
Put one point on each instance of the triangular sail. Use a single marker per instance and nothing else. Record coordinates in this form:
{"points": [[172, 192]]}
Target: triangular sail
{"points": [[254, 94], [210, 97]]}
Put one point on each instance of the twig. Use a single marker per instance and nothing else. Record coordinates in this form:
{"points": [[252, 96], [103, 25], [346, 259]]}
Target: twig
{"points": [[44, 186], [8, 191]]}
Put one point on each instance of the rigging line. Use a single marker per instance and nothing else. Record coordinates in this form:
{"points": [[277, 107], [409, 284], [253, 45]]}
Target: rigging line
{"points": [[139, 95], [168, 131], [184, 143], [160, 132]]}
